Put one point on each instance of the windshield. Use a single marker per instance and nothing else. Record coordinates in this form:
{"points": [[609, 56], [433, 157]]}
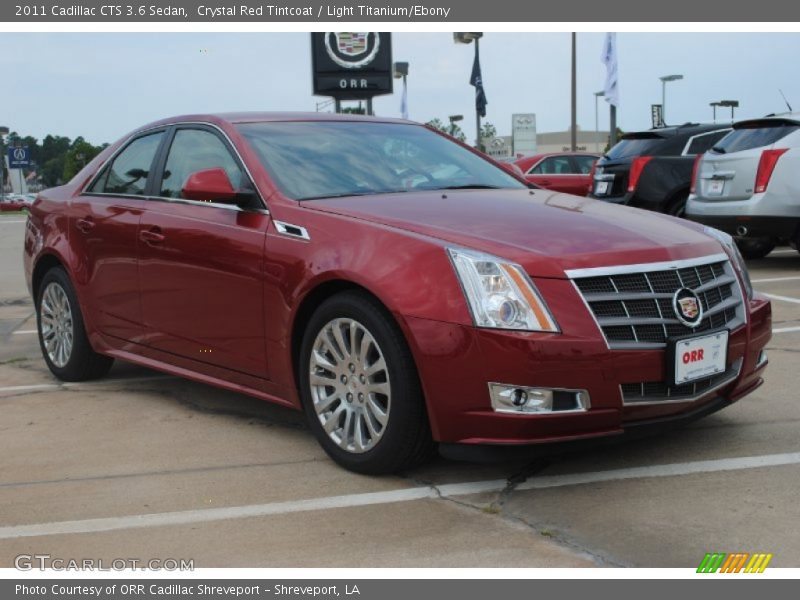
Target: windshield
{"points": [[747, 138], [319, 159]]}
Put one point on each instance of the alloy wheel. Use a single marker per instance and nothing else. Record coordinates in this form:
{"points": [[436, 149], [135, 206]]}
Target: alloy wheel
{"points": [[57, 326], [350, 386]]}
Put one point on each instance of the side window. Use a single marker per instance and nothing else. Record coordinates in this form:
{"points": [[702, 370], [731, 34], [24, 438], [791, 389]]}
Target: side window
{"points": [[555, 165], [127, 174], [196, 150], [703, 143], [584, 163]]}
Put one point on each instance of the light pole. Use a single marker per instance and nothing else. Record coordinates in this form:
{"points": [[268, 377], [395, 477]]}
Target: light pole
{"points": [[453, 120], [3, 132], [714, 106], [468, 38], [664, 80], [733, 104], [597, 96], [400, 71]]}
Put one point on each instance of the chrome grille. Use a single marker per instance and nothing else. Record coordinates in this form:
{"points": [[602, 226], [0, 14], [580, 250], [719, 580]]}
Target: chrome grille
{"points": [[633, 305], [654, 392]]}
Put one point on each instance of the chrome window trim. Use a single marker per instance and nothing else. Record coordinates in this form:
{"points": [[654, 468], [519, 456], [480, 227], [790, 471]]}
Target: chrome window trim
{"points": [[738, 364], [645, 267], [142, 132], [283, 228]]}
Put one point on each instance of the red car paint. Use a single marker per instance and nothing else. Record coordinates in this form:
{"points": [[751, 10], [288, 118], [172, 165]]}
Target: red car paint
{"points": [[572, 182], [218, 295]]}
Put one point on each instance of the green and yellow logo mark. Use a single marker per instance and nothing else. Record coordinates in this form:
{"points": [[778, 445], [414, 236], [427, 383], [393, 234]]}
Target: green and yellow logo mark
{"points": [[738, 562]]}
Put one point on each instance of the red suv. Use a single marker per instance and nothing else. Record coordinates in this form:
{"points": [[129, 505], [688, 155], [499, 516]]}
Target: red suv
{"points": [[400, 288]]}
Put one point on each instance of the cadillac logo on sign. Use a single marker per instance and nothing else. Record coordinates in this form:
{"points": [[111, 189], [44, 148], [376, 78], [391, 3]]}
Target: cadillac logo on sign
{"points": [[687, 307], [352, 50]]}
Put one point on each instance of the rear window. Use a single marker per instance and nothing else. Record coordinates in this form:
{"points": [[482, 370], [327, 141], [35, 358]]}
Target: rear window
{"points": [[629, 147], [702, 143], [747, 138]]}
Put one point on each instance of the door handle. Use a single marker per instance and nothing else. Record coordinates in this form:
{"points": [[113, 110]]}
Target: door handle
{"points": [[545, 182], [85, 225], [151, 236]]}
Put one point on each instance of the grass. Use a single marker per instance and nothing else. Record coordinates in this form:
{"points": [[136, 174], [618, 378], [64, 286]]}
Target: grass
{"points": [[17, 213]]}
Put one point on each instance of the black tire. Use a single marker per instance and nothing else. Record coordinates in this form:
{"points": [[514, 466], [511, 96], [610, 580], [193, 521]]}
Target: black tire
{"points": [[677, 207], [753, 248], [83, 362], [406, 440]]}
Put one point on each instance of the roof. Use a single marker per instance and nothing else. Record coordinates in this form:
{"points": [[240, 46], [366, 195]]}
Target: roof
{"points": [[264, 117]]}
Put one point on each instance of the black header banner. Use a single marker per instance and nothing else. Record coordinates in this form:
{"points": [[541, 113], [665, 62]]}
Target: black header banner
{"points": [[453, 11]]}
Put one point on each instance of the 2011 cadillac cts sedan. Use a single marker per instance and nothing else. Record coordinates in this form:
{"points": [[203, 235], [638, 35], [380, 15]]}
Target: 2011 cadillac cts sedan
{"points": [[399, 287]]}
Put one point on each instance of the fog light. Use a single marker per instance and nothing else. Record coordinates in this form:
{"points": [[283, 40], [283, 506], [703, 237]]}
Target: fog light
{"points": [[525, 400]]}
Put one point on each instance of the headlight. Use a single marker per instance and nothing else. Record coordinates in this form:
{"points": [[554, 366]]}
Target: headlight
{"points": [[736, 257], [499, 293]]}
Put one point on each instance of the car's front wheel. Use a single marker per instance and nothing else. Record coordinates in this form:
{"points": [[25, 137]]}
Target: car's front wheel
{"points": [[360, 388], [753, 248], [62, 335]]}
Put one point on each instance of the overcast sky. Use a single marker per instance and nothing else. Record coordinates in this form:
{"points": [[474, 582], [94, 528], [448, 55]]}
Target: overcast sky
{"points": [[103, 85]]}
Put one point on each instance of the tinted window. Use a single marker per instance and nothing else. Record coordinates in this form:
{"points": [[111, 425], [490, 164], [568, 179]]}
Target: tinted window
{"points": [[130, 169], [555, 165], [584, 163], [630, 147], [748, 138], [195, 150], [703, 142], [310, 160]]}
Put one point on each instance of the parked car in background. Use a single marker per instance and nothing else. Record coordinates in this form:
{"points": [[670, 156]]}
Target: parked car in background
{"points": [[11, 203], [653, 169], [565, 172], [455, 305], [748, 184]]}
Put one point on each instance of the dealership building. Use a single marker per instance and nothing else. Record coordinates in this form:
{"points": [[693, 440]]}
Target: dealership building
{"points": [[556, 141]]}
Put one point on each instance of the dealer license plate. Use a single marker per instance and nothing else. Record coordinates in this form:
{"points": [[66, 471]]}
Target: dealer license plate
{"points": [[700, 357], [601, 188], [714, 187]]}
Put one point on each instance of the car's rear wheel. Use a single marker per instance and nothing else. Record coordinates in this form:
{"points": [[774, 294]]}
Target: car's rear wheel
{"points": [[753, 248], [360, 388], [677, 208], [62, 335]]}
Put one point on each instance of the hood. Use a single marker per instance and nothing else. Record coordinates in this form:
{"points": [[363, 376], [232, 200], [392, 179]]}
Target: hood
{"points": [[545, 232]]}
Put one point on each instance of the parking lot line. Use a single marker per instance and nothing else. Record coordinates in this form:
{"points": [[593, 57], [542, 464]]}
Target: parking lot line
{"points": [[24, 332], [388, 497], [7, 222], [782, 298], [56, 386], [775, 279], [784, 251], [785, 329]]}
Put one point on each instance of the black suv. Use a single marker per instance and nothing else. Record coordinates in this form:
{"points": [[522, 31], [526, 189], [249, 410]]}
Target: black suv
{"points": [[653, 169]]}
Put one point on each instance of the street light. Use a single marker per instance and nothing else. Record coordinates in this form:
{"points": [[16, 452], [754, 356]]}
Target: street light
{"points": [[400, 71], [468, 38], [664, 80], [453, 120], [733, 104], [3, 132], [597, 96]]}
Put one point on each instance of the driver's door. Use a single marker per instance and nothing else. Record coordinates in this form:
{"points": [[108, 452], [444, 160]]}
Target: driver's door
{"points": [[201, 263]]}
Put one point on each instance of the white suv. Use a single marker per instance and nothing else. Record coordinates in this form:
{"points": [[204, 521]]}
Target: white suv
{"points": [[748, 184]]}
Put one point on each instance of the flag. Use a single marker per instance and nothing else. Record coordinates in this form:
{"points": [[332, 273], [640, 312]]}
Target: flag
{"points": [[609, 59], [476, 80], [404, 100]]}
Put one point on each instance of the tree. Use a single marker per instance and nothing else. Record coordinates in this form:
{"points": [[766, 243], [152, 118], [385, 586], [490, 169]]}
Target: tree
{"points": [[488, 131], [77, 157], [452, 129], [620, 133]]}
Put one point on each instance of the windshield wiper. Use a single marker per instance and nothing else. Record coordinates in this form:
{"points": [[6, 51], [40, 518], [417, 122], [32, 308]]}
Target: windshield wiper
{"points": [[347, 194], [467, 186]]}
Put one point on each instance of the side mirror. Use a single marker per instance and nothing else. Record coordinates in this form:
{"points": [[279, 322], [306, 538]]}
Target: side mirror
{"points": [[514, 169], [209, 185]]}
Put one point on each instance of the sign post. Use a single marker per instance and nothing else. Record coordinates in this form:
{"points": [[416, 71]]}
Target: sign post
{"points": [[352, 66]]}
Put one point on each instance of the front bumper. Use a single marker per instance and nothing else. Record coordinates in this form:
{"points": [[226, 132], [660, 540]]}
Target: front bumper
{"points": [[456, 362]]}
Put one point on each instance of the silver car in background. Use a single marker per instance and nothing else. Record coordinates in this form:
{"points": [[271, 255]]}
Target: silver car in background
{"points": [[748, 184]]}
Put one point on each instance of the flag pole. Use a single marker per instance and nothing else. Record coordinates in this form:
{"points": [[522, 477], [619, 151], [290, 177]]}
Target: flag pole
{"points": [[574, 120], [477, 110]]}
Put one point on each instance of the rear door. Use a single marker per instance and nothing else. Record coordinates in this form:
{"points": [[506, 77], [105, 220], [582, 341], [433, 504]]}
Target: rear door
{"points": [[582, 166], [201, 263], [728, 170], [104, 220]]}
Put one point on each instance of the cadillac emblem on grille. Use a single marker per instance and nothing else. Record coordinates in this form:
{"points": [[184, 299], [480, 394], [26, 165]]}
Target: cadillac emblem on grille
{"points": [[687, 307]]}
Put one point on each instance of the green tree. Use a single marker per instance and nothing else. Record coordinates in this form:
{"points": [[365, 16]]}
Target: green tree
{"points": [[77, 157], [488, 131], [451, 129], [620, 133]]}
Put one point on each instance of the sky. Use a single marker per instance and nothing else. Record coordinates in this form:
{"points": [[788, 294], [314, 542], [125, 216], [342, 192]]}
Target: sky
{"points": [[102, 85]]}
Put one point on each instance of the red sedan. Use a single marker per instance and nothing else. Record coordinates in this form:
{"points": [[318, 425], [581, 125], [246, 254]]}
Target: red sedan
{"points": [[400, 288], [567, 172], [11, 205]]}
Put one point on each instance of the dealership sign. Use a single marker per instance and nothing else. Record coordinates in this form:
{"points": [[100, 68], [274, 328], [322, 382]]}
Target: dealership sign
{"points": [[19, 157], [352, 66]]}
